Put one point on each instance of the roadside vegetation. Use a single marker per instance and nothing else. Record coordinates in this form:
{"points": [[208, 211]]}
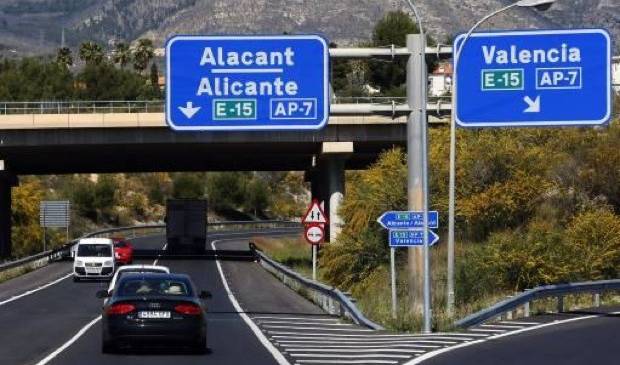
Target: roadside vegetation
{"points": [[534, 206]]}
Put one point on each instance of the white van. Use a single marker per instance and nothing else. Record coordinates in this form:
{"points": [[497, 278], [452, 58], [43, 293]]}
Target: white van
{"points": [[94, 259]]}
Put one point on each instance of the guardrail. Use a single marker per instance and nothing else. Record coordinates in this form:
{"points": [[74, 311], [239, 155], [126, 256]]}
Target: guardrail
{"points": [[332, 300], [155, 106], [524, 299], [43, 258]]}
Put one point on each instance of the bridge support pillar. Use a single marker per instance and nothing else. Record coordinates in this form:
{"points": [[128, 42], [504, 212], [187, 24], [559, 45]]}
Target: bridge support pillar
{"points": [[7, 181], [328, 183]]}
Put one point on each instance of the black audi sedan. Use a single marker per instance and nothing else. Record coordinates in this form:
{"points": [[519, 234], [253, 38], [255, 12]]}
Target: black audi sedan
{"points": [[154, 308]]}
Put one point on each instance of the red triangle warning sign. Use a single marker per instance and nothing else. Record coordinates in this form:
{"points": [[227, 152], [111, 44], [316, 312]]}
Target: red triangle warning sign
{"points": [[314, 214]]}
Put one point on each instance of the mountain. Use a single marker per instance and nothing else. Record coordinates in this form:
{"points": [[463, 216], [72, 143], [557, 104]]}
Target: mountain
{"points": [[35, 26]]}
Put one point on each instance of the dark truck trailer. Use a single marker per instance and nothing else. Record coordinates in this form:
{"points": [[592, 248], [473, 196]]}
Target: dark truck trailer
{"points": [[186, 225]]}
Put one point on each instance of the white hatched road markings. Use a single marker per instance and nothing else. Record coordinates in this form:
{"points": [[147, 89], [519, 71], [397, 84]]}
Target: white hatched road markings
{"points": [[502, 326], [521, 323], [369, 340], [319, 328], [357, 350], [307, 340], [357, 346], [270, 323], [346, 362], [346, 356], [468, 335], [261, 319]]}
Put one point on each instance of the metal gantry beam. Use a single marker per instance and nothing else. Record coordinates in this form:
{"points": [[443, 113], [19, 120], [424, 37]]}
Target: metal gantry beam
{"points": [[441, 51]]}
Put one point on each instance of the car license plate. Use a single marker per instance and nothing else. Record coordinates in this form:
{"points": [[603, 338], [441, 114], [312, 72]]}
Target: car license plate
{"points": [[153, 314], [92, 270]]}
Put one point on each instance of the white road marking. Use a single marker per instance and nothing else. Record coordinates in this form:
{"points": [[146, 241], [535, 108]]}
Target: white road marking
{"points": [[346, 362], [487, 330], [357, 346], [318, 328], [77, 336], [467, 344], [329, 340], [523, 323], [159, 256], [257, 332], [296, 318], [308, 323], [358, 350], [32, 291], [339, 337], [468, 337], [64, 346], [502, 326], [345, 356]]}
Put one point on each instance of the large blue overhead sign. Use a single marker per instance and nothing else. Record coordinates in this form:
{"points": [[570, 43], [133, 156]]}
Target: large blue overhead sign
{"points": [[247, 82], [534, 78]]}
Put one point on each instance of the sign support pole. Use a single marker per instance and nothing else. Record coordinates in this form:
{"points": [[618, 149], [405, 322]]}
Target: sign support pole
{"points": [[417, 182], [314, 262], [393, 273]]}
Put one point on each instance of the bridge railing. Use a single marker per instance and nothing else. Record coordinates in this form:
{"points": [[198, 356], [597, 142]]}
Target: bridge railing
{"points": [[155, 106], [330, 299], [81, 107], [559, 292]]}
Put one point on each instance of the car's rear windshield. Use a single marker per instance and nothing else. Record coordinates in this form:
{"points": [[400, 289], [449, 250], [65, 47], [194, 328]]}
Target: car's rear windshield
{"points": [[120, 244], [130, 271], [154, 287], [94, 250]]}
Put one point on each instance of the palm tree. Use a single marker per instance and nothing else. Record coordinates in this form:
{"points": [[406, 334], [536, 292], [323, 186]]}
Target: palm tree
{"points": [[64, 57], [91, 53], [143, 54], [122, 54]]}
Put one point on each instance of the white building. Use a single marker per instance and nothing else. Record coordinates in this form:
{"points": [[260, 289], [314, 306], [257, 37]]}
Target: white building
{"points": [[615, 74], [440, 81]]}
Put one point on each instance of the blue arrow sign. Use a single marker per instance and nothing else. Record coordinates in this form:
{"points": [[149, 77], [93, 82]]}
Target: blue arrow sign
{"points": [[408, 219], [534, 78], [247, 82], [411, 237]]}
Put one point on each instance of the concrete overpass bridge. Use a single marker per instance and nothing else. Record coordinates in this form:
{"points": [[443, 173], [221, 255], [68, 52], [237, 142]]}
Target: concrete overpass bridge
{"points": [[132, 136]]}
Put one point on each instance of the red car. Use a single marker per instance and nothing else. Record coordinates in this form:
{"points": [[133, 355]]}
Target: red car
{"points": [[123, 251]]}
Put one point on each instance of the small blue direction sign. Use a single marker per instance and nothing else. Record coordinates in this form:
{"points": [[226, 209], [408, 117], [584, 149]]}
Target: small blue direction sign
{"points": [[403, 220], [534, 78], [411, 237], [247, 82]]}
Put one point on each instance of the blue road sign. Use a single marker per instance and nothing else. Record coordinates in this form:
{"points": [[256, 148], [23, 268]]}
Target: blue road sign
{"points": [[402, 220], [534, 78], [230, 83], [411, 237]]}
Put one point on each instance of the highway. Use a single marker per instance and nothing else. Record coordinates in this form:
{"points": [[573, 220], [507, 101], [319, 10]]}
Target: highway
{"points": [[36, 327], [45, 318], [576, 338]]}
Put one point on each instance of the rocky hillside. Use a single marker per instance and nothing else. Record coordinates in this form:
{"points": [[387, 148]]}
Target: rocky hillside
{"points": [[35, 26]]}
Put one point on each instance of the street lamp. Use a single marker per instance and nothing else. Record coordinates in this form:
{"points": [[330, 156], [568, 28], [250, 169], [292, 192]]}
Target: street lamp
{"points": [[539, 5]]}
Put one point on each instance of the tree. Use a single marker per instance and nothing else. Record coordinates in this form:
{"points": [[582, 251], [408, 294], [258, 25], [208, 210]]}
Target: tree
{"points": [[392, 29], [26, 233], [91, 53], [143, 54], [122, 54], [64, 57], [188, 186], [257, 195], [154, 76]]}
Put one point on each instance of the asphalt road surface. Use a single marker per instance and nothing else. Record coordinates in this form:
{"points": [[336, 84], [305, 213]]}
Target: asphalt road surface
{"points": [[575, 338], [253, 318], [58, 324]]}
